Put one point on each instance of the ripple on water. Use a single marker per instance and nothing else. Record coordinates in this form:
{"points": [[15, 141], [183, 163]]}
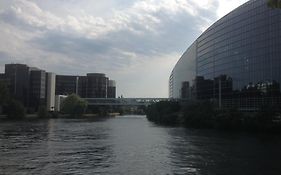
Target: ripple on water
{"points": [[131, 145]]}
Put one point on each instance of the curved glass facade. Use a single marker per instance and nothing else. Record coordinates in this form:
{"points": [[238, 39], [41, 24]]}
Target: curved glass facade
{"points": [[183, 74], [238, 58]]}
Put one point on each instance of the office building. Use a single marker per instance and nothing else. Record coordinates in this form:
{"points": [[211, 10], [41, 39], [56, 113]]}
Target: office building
{"points": [[37, 88], [93, 85], [111, 89], [58, 102], [96, 85], [236, 60], [18, 76], [66, 84]]}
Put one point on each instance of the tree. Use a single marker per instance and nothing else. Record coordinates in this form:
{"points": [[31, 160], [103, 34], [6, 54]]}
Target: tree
{"points": [[274, 3], [4, 93], [42, 112], [74, 105], [164, 112], [15, 109]]}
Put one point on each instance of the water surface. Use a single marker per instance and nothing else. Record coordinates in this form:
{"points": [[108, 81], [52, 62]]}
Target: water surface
{"points": [[131, 145]]}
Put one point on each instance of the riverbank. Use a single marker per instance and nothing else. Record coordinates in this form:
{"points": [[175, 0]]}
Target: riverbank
{"points": [[206, 115]]}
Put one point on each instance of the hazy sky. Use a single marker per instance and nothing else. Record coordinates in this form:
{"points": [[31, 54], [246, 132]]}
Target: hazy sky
{"points": [[135, 42]]}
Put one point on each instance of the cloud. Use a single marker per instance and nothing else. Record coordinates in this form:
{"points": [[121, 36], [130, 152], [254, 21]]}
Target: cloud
{"points": [[125, 39], [226, 6]]}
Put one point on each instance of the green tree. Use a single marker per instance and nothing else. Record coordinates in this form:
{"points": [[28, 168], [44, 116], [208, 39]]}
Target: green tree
{"points": [[15, 109], [164, 112], [274, 3], [198, 114], [42, 112], [74, 105], [4, 93]]}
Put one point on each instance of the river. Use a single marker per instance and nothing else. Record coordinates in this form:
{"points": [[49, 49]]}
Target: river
{"points": [[131, 145]]}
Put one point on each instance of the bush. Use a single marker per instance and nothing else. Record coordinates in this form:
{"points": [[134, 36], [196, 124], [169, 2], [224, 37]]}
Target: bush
{"points": [[15, 110], [4, 95], [198, 114], [42, 112], [74, 105], [228, 119], [263, 119], [204, 114], [164, 112]]}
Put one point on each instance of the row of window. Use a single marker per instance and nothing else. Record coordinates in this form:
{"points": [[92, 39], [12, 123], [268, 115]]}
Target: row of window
{"points": [[251, 36], [236, 17], [250, 22], [253, 55]]}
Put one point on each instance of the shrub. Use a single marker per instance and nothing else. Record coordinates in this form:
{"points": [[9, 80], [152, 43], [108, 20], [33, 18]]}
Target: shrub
{"points": [[164, 112], [198, 114], [42, 112], [74, 105], [15, 110]]}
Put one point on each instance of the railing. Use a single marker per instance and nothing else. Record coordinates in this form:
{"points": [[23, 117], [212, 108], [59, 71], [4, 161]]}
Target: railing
{"points": [[245, 104], [123, 101]]}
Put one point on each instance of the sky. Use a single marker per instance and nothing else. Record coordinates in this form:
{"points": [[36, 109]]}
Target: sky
{"points": [[134, 42]]}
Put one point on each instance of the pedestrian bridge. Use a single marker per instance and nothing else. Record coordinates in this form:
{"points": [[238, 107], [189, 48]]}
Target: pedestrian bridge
{"points": [[123, 101]]}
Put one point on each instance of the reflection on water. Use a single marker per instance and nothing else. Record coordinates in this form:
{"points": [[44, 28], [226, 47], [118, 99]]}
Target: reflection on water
{"points": [[211, 152], [131, 145], [55, 146]]}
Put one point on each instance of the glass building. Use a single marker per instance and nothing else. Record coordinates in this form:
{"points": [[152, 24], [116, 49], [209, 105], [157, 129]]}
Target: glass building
{"points": [[236, 61], [94, 85]]}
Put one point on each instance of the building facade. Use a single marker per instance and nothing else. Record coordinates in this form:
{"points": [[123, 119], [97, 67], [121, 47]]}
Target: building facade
{"points": [[50, 91], [26, 84], [111, 89], [237, 59], [66, 84], [93, 85], [96, 85], [18, 76], [184, 71], [34, 87], [37, 88]]}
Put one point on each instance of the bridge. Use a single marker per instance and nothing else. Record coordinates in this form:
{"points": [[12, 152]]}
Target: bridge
{"points": [[123, 101]]}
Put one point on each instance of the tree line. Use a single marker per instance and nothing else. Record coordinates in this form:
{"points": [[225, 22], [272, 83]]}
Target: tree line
{"points": [[8, 105], [205, 114]]}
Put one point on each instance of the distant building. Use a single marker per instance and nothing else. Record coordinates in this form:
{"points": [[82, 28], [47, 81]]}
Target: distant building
{"points": [[111, 89], [93, 85], [50, 91], [37, 88], [96, 85], [185, 90], [18, 75], [3, 78], [58, 102], [66, 84]]}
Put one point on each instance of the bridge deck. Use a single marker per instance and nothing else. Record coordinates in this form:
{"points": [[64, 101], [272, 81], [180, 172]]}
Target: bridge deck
{"points": [[123, 101]]}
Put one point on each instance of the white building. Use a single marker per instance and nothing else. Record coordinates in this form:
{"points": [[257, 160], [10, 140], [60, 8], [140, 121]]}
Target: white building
{"points": [[58, 101], [50, 90]]}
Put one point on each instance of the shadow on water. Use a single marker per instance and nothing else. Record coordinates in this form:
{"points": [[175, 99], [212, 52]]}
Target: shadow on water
{"points": [[213, 152]]}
